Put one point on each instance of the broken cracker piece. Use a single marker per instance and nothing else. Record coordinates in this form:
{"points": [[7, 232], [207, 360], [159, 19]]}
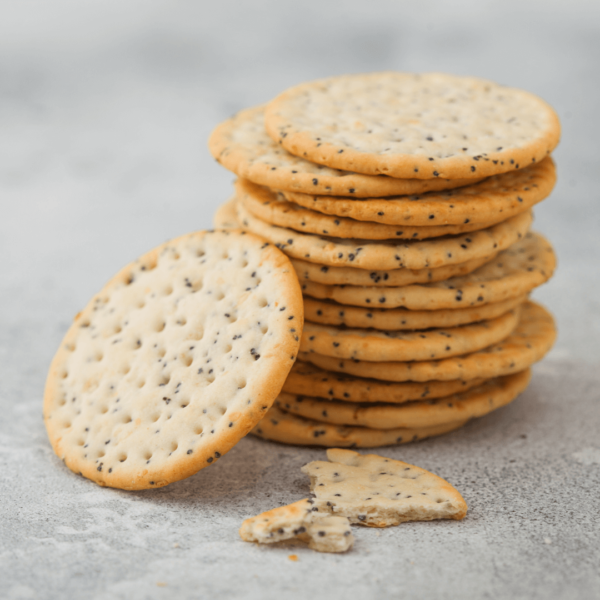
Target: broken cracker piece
{"points": [[323, 533], [378, 492]]}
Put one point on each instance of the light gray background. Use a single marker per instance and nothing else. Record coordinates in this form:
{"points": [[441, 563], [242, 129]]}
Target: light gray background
{"points": [[105, 108]]}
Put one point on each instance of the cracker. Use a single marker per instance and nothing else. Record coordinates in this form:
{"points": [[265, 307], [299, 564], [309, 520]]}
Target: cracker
{"points": [[394, 277], [308, 380], [516, 271], [298, 521], [226, 217], [531, 340], [431, 344], [476, 402], [494, 199], [242, 145], [410, 254], [393, 319], [286, 428], [276, 210], [378, 492], [413, 125], [174, 361]]}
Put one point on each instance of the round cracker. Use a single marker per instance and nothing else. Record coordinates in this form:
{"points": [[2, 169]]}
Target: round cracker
{"points": [[174, 361], [495, 199], [413, 125], [410, 254], [225, 217], [242, 145], [276, 210], [527, 344], [286, 428], [432, 344], [474, 403], [398, 319], [308, 380], [514, 272]]}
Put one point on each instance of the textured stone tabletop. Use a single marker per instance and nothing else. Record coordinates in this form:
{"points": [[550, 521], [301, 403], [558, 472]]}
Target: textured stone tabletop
{"points": [[104, 114]]}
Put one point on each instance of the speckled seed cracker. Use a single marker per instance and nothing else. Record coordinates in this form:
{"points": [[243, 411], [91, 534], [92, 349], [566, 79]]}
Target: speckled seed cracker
{"points": [[308, 380], [323, 533], [276, 210], [516, 271], [474, 403], [327, 312], [286, 428], [413, 125], [242, 145], [378, 492], [493, 200], [174, 361], [394, 277], [530, 341], [431, 344], [369, 254]]}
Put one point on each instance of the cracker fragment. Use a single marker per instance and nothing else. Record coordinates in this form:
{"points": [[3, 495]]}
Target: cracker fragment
{"points": [[369, 254], [438, 343], [376, 491], [476, 402], [403, 125], [242, 145], [324, 533], [529, 343], [287, 428], [174, 360]]}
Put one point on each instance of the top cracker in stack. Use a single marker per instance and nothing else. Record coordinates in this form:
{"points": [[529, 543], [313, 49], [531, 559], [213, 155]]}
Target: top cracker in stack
{"points": [[404, 203]]}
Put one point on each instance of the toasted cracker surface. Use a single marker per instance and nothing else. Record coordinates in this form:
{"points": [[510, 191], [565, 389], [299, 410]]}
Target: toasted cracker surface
{"points": [[308, 380], [287, 428], [529, 342], [324, 533], [517, 270], [430, 344], [369, 254], [476, 402], [404, 125], [328, 312], [378, 492], [275, 209], [494, 199], [174, 360], [242, 145]]}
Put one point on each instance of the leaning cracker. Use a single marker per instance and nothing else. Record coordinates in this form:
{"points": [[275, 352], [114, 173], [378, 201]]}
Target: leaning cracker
{"points": [[514, 272], [225, 217], [286, 428], [474, 403], [529, 342], [323, 533], [276, 210], [494, 199], [242, 145], [378, 492], [410, 254], [372, 345], [424, 126], [174, 361], [308, 380], [327, 312]]}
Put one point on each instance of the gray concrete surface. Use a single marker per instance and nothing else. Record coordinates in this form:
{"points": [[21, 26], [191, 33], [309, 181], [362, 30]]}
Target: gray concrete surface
{"points": [[104, 113]]}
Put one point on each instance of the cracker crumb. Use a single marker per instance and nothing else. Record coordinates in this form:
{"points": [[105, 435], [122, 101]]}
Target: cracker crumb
{"points": [[547, 541], [293, 557], [161, 584], [175, 545]]}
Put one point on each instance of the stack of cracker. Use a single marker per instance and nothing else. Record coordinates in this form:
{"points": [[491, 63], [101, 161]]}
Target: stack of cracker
{"points": [[405, 204]]}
